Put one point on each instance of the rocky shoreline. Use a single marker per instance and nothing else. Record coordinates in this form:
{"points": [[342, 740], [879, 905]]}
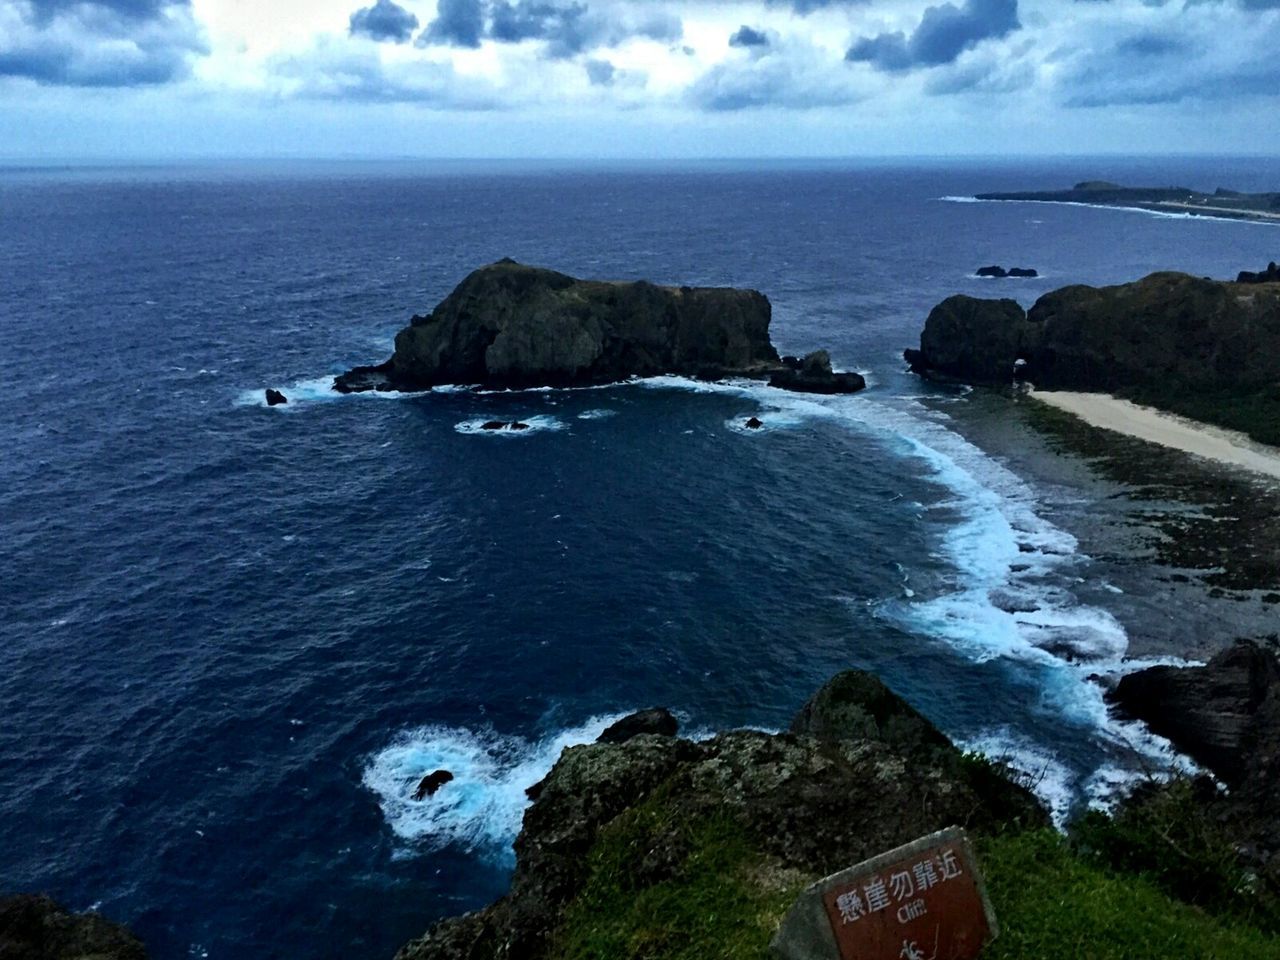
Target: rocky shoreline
{"points": [[1222, 203]]}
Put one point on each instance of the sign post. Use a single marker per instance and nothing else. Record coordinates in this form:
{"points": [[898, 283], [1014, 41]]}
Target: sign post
{"points": [[922, 901]]}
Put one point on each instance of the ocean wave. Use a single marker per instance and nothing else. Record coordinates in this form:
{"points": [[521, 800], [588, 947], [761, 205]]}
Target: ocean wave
{"points": [[600, 414], [481, 809]]}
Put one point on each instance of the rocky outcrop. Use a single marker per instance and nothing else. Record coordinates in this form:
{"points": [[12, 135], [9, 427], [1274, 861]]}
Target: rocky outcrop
{"points": [[275, 397], [826, 795], [1224, 715], [1168, 331], [657, 722], [1000, 273], [432, 782], [1269, 275], [38, 928], [813, 374], [511, 325]]}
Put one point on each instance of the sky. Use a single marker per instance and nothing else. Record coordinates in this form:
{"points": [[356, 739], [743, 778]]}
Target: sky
{"points": [[636, 78]]}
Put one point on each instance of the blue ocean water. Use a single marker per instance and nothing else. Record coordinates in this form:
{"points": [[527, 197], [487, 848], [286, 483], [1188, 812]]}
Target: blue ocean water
{"points": [[233, 637]]}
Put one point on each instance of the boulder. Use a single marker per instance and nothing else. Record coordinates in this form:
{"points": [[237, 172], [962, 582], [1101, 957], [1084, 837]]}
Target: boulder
{"points": [[34, 927], [511, 325], [432, 782], [754, 423], [856, 705], [657, 721], [967, 338], [275, 397], [1224, 715], [813, 374]]}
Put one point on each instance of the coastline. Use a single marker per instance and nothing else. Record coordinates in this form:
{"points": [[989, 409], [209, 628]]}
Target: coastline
{"points": [[1108, 412], [1161, 209]]}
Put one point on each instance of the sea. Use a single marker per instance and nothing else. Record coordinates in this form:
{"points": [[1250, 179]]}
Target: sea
{"points": [[233, 637]]}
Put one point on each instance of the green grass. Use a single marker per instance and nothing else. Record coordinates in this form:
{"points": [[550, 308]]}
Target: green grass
{"points": [[1052, 904], [714, 896], [661, 887]]}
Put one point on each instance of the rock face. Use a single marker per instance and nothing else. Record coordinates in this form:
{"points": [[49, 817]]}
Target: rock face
{"points": [[1169, 331], [1224, 715], [38, 928], [510, 325], [807, 802], [813, 374], [1269, 275], [657, 721]]}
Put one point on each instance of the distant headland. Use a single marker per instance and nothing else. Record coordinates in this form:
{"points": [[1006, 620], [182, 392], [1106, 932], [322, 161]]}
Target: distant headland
{"points": [[1230, 204]]}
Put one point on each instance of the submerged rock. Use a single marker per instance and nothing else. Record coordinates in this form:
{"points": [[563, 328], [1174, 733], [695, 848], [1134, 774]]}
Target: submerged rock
{"points": [[877, 775], [657, 721], [432, 782], [36, 927]]}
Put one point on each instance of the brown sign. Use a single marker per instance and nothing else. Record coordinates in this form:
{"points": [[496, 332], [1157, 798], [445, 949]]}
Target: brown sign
{"points": [[922, 901]]}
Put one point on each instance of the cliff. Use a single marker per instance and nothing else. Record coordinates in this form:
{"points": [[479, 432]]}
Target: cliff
{"points": [[746, 818], [511, 325], [1167, 339]]}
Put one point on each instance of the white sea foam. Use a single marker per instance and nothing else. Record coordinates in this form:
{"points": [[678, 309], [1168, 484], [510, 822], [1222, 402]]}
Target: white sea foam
{"points": [[601, 414], [1049, 778], [1163, 214], [481, 808], [538, 424]]}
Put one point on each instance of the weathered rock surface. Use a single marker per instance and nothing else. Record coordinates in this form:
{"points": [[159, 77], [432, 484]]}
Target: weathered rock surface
{"points": [[657, 721], [35, 927], [1168, 330], [813, 374], [1224, 715], [511, 325], [810, 802]]}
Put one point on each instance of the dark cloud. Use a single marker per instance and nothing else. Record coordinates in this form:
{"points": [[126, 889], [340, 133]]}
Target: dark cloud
{"points": [[567, 28], [386, 21], [746, 37], [458, 23], [944, 32], [601, 73], [109, 43], [806, 7]]}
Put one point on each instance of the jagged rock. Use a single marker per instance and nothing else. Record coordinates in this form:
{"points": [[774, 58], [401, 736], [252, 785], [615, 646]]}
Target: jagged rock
{"points": [[512, 325], [1269, 275], [275, 397], [1224, 715], [754, 423], [657, 721], [813, 374], [809, 803], [34, 927], [432, 782]]}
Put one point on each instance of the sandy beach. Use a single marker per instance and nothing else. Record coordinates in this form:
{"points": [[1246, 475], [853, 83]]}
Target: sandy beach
{"points": [[1146, 423]]}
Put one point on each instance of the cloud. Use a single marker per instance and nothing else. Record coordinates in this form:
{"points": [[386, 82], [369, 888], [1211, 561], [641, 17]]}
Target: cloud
{"points": [[336, 69], [458, 23], [797, 77], [806, 7], [112, 43], [746, 37], [600, 73], [944, 32], [567, 29], [386, 21]]}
